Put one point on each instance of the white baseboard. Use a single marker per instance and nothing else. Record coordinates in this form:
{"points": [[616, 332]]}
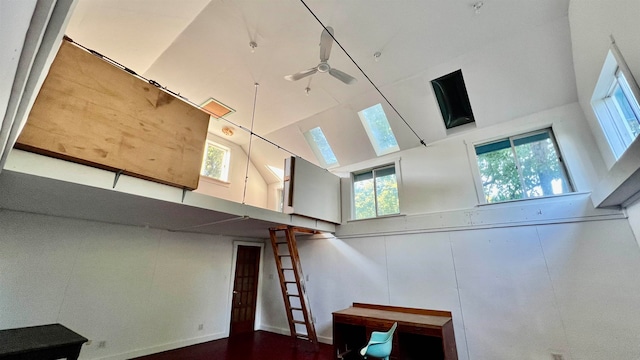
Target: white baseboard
{"points": [[283, 331], [162, 347]]}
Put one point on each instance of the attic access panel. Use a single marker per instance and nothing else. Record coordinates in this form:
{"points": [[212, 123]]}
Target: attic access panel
{"points": [[453, 99]]}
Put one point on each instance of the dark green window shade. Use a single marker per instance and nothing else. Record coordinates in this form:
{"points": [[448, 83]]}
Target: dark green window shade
{"points": [[385, 171], [494, 146], [391, 170], [364, 176], [530, 139]]}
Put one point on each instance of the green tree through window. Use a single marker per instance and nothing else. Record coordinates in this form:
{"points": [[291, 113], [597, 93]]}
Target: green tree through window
{"points": [[522, 167], [375, 193], [216, 162]]}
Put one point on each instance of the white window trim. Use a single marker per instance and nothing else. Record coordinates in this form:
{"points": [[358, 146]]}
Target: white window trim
{"points": [[379, 164], [614, 65], [224, 179], [475, 170]]}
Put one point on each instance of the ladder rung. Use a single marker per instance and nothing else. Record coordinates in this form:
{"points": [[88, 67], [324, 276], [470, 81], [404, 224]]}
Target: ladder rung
{"points": [[296, 308], [298, 322], [295, 295], [280, 242], [287, 268], [302, 336], [285, 255], [289, 282]]}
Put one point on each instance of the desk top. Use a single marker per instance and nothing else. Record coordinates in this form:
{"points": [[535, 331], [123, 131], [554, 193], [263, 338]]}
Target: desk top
{"points": [[402, 316], [16, 341]]}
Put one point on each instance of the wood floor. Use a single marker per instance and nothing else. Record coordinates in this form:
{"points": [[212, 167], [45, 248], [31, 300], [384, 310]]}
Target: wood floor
{"points": [[259, 345]]}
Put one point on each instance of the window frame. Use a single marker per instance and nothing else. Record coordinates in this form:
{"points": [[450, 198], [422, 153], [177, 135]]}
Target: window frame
{"points": [[224, 178], [396, 165], [615, 72], [473, 160]]}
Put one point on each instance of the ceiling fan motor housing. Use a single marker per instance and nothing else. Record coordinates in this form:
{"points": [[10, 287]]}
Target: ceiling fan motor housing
{"points": [[323, 67]]}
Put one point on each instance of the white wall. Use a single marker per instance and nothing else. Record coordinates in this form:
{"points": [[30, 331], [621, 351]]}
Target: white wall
{"points": [[233, 189], [634, 219], [440, 177], [523, 280], [15, 17], [140, 290], [515, 292], [592, 23]]}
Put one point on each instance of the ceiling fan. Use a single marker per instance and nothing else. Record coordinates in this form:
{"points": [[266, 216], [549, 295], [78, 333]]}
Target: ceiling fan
{"points": [[326, 40]]}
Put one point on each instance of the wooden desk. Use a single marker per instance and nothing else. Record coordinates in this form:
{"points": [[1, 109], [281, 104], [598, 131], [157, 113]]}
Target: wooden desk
{"points": [[45, 342], [421, 333]]}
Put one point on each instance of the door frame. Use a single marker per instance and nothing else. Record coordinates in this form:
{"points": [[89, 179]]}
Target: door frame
{"points": [[234, 257]]}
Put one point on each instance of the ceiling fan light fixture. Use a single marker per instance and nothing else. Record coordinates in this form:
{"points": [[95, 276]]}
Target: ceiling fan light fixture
{"points": [[227, 131], [253, 45]]}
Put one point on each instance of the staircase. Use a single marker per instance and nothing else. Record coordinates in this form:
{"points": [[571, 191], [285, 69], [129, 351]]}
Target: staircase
{"points": [[296, 303]]}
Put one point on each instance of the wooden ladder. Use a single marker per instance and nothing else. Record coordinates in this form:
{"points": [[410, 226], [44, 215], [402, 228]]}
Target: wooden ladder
{"points": [[292, 284]]}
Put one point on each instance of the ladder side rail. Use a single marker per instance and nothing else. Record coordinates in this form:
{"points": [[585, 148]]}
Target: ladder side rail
{"points": [[304, 299], [281, 276]]}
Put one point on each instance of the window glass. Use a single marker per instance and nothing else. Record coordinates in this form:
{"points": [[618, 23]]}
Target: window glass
{"points": [[623, 109], [320, 146], [520, 167], [216, 161], [378, 129], [375, 193]]}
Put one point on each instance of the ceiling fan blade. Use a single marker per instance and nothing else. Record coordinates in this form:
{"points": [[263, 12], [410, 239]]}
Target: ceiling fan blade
{"points": [[301, 74], [344, 77], [326, 40]]}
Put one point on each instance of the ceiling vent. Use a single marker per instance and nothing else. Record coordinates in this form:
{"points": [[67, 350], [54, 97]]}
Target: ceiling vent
{"points": [[216, 108], [453, 100]]}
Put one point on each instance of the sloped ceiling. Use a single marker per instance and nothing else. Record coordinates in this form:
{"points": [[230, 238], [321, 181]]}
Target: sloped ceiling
{"points": [[515, 56]]}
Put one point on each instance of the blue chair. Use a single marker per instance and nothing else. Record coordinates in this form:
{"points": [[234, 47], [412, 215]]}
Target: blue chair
{"points": [[379, 345]]}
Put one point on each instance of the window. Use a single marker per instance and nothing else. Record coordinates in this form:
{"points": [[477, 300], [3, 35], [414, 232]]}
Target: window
{"points": [[280, 200], [375, 193], [320, 146], [520, 167], [615, 103], [377, 127], [216, 161]]}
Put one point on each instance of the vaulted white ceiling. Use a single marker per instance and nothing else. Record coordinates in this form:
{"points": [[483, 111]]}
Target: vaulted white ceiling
{"points": [[515, 56]]}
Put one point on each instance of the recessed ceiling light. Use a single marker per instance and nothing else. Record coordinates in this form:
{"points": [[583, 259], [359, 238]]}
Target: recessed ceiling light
{"points": [[376, 56]]}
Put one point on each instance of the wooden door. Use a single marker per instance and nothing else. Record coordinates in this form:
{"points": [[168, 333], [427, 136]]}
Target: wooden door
{"points": [[245, 290]]}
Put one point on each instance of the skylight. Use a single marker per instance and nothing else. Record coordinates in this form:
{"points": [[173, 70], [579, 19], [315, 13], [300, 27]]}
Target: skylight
{"points": [[377, 127], [279, 173], [321, 148]]}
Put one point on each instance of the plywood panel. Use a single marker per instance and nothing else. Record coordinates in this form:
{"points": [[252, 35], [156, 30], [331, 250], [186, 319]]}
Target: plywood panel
{"points": [[92, 112]]}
